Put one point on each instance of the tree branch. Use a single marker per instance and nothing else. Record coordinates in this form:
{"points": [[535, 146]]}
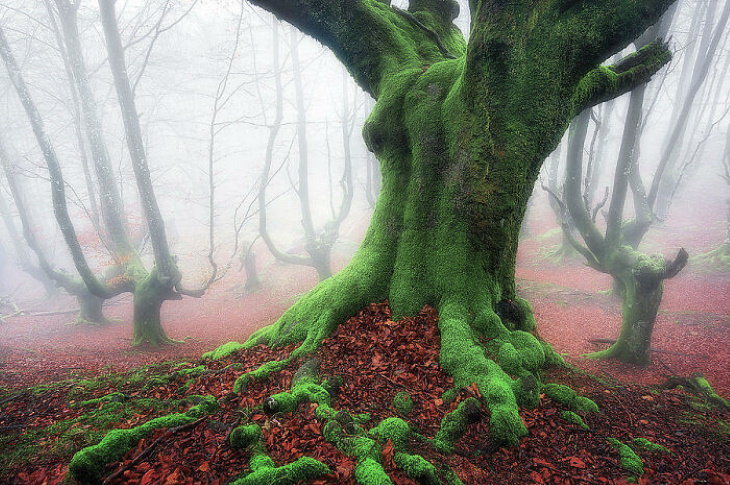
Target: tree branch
{"points": [[608, 82], [368, 36]]}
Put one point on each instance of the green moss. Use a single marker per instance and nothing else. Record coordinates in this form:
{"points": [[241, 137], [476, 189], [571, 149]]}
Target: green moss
{"points": [[575, 419], [265, 473], [113, 397], [370, 472], [191, 372], [87, 465], [630, 461], [261, 373], [568, 397], [402, 403], [223, 351], [417, 467], [706, 388], [449, 395], [453, 425], [644, 444], [245, 436], [394, 429]]}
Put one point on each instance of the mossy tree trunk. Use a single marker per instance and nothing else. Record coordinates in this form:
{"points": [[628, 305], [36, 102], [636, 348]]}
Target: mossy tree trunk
{"points": [[149, 295], [641, 279], [90, 309], [461, 130]]}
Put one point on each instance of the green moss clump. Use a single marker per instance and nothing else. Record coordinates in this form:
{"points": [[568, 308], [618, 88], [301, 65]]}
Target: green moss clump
{"points": [[644, 444], [394, 429], [417, 467], [509, 359], [112, 397], [403, 403], [567, 396], [573, 418], [453, 425], [630, 461], [223, 351], [264, 472], [87, 465], [370, 472], [245, 436]]}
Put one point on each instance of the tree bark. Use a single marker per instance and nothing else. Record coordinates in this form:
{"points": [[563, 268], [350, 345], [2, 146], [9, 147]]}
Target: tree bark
{"points": [[149, 295], [461, 132], [90, 309]]}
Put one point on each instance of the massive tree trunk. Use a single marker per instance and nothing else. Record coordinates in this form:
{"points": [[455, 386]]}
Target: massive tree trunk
{"points": [[461, 132]]}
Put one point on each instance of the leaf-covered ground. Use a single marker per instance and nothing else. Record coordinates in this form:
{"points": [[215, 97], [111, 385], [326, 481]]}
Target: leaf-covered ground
{"points": [[41, 427], [377, 358]]}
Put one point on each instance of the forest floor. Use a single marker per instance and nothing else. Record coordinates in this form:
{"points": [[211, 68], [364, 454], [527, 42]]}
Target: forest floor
{"points": [[73, 364]]}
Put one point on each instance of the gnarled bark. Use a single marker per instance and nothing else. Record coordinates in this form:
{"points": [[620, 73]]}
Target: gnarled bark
{"points": [[460, 131]]}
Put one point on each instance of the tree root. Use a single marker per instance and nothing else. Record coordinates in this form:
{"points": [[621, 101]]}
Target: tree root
{"points": [[151, 447], [697, 385]]}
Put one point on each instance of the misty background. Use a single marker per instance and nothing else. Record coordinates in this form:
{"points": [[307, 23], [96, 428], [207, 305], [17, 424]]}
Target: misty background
{"points": [[203, 75]]}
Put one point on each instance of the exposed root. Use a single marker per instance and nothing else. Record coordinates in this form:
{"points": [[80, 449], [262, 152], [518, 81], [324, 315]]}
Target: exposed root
{"points": [[87, 465]]}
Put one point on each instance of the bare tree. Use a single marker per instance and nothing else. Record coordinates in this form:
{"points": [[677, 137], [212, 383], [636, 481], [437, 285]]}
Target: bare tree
{"points": [[90, 305], [318, 243]]}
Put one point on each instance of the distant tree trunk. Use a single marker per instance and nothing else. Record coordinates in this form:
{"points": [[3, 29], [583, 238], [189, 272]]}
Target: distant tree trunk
{"points": [[663, 187], [149, 295], [90, 306], [111, 204], [163, 281], [78, 130], [317, 246]]}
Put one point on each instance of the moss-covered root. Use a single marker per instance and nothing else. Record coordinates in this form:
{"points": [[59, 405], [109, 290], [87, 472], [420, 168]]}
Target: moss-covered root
{"points": [[417, 468], [568, 397], [630, 461], [223, 351], [575, 419], [265, 472], [260, 373], [643, 444], [464, 358], [453, 425], [87, 465]]}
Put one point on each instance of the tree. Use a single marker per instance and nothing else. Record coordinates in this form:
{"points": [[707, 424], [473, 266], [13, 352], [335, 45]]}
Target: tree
{"points": [[317, 243], [150, 288], [90, 305], [461, 129]]}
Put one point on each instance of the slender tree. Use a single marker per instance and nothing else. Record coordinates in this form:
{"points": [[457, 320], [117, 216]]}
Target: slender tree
{"points": [[461, 129], [317, 243], [90, 305]]}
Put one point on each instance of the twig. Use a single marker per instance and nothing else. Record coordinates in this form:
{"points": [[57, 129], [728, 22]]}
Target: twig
{"points": [[149, 449], [13, 397]]}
